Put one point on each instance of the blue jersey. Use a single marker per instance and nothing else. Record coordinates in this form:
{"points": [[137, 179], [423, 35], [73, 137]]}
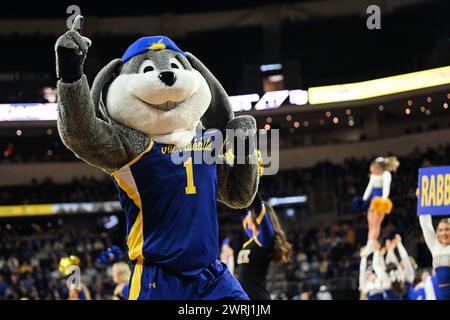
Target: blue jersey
{"points": [[417, 293], [442, 280], [376, 296], [170, 208], [376, 192], [266, 235], [407, 295]]}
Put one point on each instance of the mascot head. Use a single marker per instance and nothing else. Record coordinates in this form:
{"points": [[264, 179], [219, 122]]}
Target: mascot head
{"points": [[161, 91]]}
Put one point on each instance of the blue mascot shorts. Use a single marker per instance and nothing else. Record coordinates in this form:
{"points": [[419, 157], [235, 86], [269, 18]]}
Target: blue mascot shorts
{"points": [[151, 282]]}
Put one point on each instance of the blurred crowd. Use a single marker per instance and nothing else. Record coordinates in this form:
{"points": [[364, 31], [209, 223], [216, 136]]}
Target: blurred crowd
{"points": [[29, 264], [322, 250], [343, 181]]}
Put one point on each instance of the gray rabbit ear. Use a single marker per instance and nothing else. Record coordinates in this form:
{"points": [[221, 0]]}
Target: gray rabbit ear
{"points": [[219, 112], [101, 85]]}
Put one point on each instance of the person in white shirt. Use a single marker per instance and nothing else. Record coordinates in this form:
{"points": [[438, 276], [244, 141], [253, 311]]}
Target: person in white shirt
{"points": [[438, 242], [377, 192], [396, 277], [369, 284]]}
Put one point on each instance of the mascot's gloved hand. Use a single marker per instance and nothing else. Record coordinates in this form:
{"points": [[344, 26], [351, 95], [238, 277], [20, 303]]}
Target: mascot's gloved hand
{"points": [[244, 127], [71, 49]]}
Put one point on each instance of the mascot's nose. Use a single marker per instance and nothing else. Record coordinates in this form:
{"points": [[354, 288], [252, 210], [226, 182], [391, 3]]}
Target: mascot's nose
{"points": [[167, 77]]}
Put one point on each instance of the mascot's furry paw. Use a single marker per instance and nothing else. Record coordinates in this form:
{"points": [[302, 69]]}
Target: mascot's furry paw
{"points": [[380, 205], [71, 49], [244, 127], [244, 124]]}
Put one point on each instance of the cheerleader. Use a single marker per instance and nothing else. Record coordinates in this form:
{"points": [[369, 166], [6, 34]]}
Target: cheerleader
{"points": [[68, 267], [438, 243], [121, 276], [397, 278], [432, 288], [267, 243], [427, 288], [370, 285], [81, 293], [377, 192]]}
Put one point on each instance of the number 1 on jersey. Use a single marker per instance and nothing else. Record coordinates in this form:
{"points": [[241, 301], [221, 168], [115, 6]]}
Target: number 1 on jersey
{"points": [[190, 187]]}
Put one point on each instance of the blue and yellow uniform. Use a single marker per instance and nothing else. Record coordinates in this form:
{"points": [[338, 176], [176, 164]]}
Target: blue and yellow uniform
{"points": [[408, 293], [256, 254], [171, 222], [442, 279]]}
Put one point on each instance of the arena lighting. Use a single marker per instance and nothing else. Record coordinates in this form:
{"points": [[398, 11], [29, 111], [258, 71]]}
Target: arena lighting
{"points": [[243, 102], [380, 87], [28, 112], [276, 78], [59, 208], [298, 97], [290, 212], [287, 200], [271, 67], [272, 100]]}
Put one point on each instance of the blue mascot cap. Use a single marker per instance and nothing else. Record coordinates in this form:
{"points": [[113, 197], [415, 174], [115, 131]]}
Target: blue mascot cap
{"points": [[150, 43]]}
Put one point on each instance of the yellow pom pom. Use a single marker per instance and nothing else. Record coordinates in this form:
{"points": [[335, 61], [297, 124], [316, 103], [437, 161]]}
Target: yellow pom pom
{"points": [[66, 263], [380, 205], [74, 260]]}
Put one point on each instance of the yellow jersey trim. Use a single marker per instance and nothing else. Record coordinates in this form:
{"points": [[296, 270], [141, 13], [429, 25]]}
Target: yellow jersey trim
{"points": [[135, 287], [261, 215], [250, 241], [136, 159], [135, 240], [149, 147], [247, 243], [244, 222]]}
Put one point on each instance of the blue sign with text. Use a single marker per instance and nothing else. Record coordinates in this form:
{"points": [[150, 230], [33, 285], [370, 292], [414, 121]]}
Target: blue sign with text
{"points": [[434, 185]]}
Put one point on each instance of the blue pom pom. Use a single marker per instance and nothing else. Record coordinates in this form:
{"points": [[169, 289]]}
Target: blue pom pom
{"points": [[359, 205], [110, 255]]}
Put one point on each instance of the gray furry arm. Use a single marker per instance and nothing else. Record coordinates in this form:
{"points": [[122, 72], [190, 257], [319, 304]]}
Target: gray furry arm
{"points": [[90, 138], [238, 183]]}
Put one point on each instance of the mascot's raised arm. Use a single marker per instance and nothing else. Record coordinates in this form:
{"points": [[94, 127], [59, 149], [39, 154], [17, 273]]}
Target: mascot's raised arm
{"points": [[141, 110]]}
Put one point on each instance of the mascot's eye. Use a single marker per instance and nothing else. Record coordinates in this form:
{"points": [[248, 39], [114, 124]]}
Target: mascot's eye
{"points": [[176, 64], [146, 66], [148, 69]]}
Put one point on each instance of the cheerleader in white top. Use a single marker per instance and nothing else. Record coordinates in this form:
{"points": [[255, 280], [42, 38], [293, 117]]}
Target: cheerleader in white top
{"points": [[432, 288], [396, 277], [438, 243], [377, 192], [428, 288], [370, 285]]}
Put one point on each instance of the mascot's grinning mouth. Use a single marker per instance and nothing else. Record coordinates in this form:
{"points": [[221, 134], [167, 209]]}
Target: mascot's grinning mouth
{"points": [[166, 106]]}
